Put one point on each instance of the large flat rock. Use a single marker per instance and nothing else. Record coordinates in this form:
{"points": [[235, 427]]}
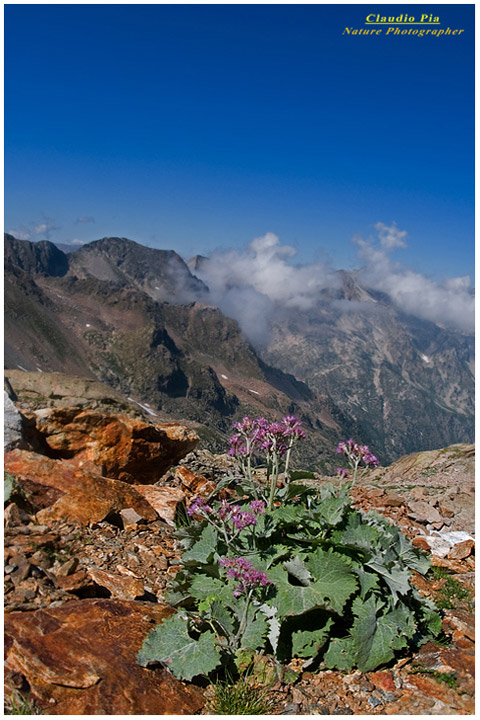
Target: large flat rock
{"points": [[80, 659]]}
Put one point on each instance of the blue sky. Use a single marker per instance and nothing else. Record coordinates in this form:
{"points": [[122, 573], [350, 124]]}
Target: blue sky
{"points": [[198, 127]]}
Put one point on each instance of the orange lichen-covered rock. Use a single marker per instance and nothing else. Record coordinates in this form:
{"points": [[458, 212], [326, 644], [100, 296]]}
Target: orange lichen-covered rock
{"points": [[62, 491], [80, 659], [119, 446]]}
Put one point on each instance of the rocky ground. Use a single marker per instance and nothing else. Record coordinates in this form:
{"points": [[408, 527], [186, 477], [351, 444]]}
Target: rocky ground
{"points": [[88, 557]]}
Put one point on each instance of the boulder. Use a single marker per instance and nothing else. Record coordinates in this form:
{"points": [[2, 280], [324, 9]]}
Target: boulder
{"points": [[12, 426], [62, 491], [80, 659], [119, 446]]}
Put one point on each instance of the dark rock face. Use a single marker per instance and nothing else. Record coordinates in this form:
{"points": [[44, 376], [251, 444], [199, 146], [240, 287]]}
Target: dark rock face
{"points": [[39, 258], [162, 274]]}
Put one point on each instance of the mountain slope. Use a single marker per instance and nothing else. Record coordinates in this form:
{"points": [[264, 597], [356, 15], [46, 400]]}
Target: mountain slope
{"points": [[162, 274], [188, 360]]}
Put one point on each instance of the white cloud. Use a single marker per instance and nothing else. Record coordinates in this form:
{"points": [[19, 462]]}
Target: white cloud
{"points": [[249, 285], [44, 227], [390, 237], [21, 233], [77, 241], [448, 304]]}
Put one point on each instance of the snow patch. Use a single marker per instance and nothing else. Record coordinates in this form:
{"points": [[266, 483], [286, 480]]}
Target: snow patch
{"points": [[39, 369], [144, 407], [224, 377], [87, 325], [22, 368], [426, 359], [254, 391]]}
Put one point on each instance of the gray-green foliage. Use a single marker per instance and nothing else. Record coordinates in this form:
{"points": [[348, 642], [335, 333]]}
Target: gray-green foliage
{"points": [[9, 486], [340, 590]]}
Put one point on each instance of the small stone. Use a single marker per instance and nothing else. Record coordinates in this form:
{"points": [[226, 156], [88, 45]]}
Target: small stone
{"points": [[13, 515], [383, 680], [421, 542], [122, 587], [130, 518], [374, 701], [461, 550], [68, 568]]}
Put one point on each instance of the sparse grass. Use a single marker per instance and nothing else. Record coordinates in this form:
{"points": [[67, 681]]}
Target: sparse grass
{"points": [[428, 472], [439, 573], [18, 704], [452, 592], [447, 678], [240, 698]]}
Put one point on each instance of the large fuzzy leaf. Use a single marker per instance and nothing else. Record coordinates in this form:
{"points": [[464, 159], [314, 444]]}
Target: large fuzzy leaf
{"points": [[335, 577], [340, 654], [298, 569], [254, 635], [335, 583], [308, 643], [202, 551], [415, 558], [376, 636], [171, 645], [396, 577]]}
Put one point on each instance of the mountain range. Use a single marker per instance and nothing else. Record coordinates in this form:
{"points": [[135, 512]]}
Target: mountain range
{"points": [[139, 319]]}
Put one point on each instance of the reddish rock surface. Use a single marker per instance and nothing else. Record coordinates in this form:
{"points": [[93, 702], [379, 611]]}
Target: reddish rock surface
{"points": [[165, 500], [119, 446], [77, 495], [80, 659]]}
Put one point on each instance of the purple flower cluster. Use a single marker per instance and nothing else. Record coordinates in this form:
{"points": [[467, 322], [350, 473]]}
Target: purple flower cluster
{"points": [[198, 505], [242, 570], [260, 434], [239, 518], [357, 453], [342, 472]]}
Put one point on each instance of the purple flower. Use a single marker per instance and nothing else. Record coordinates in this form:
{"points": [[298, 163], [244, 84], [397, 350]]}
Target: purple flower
{"points": [[258, 506], [242, 570], [357, 453], [342, 472], [243, 519], [198, 505]]}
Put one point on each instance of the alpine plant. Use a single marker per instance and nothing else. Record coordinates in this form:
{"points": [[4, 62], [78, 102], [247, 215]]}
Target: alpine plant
{"points": [[289, 571]]}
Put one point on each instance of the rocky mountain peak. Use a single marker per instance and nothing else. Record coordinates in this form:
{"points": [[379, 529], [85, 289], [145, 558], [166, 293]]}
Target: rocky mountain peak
{"points": [[37, 258]]}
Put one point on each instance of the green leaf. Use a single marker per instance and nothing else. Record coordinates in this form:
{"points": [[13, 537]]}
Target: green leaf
{"points": [[222, 617], [298, 569], [396, 577], [336, 577], [368, 581], [205, 586], [337, 582], [308, 643], [340, 654], [254, 635], [375, 636], [333, 509], [171, 645], [415, 558], [9, 486], [202, 551]]}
